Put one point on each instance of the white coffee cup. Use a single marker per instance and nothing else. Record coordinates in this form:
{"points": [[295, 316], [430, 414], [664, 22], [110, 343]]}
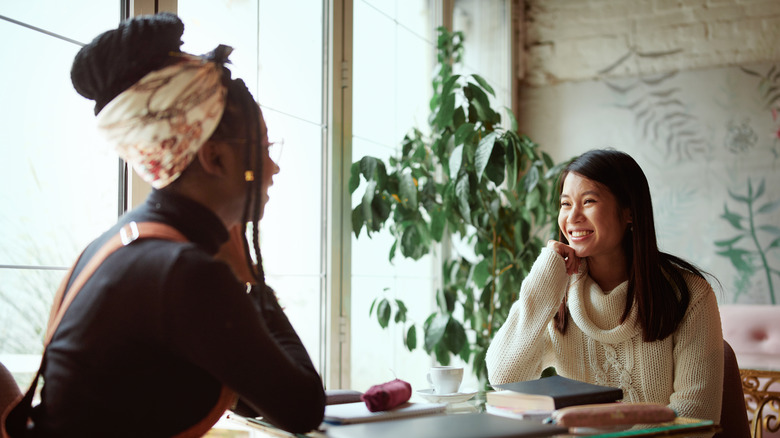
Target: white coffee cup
{"points": [[445, 380]]}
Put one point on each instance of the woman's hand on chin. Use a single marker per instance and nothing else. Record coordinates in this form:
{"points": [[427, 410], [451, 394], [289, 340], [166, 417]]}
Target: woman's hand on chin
{"points": [[568, 254]]}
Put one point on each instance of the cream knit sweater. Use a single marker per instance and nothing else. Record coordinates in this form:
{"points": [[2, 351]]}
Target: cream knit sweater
{"points": [[684, 371]]}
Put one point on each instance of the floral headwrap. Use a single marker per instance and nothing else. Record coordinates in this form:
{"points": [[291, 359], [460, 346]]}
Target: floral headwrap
{"points": [[159, 124]]}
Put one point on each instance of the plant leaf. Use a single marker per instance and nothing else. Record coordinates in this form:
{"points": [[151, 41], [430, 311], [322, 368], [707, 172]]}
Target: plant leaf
{"points": [[462, 188], [435, 332], [438, 220], [760, 190], [391, 255], [354, 176], [411, 338], [400, 315], [444, 116], [482, 155], [368, 167], [380, 211], [740, 198], [357, 220], [512, 120], [729, 242], [480, 368], [412, 245], [737, 257], [483, 83], [408, 191], [456, 158], [733, 218], [442, 354], [446, 88], [383, 313], [463, 133], [481, 273], [531, 179], [774, 229], [769, 207], [511, 163], [454, 336], [368, 197], [775, 244]]}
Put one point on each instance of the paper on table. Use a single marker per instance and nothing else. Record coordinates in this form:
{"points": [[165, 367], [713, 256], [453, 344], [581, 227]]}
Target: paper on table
{"points": [[348, 413]]}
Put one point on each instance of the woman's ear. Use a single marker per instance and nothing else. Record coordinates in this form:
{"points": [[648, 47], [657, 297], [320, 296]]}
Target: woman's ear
{"points": [[211, 158]]}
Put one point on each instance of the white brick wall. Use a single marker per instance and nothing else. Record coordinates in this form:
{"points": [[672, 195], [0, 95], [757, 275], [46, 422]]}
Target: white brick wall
{"points": [[576, 40]]}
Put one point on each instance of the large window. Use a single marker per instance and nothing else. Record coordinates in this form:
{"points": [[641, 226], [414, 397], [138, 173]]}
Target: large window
{"points": [[278, 53], [394, 56], [394, 50], [59, 184]]}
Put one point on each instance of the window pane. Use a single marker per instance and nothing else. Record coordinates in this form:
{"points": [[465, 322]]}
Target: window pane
{"points": [[393, 54], [487, 32], [278, 50], [59, 182], [68, 19]]}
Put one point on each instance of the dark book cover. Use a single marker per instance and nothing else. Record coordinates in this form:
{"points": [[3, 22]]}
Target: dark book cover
{"points": [[565, 392]]}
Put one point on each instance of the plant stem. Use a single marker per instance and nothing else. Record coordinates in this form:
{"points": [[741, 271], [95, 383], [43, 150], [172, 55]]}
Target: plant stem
{"points": [[492, 285], [767, 269]]}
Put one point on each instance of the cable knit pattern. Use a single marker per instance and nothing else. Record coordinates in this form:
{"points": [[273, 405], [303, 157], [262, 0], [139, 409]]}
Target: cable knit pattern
{"points": [[684, 371]]}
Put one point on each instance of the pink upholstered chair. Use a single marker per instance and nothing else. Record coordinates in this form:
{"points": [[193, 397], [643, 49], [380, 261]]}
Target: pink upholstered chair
{"points": [[9, 390], [753, 330]]}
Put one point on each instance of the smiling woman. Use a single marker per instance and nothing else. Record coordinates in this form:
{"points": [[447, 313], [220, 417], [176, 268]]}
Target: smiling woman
{"points": [[603, 305]]}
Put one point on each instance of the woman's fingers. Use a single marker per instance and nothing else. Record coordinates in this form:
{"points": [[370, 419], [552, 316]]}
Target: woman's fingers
{"points": [[568, 254]]}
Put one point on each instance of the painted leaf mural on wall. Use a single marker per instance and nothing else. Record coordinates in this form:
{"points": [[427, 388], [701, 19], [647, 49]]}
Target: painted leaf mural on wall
{"points": [[755, 237], [768, 88], [660, 114], [731, 158]]}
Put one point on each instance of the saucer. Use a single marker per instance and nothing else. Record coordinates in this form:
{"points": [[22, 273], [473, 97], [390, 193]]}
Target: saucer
{"points": [[455, 397]]}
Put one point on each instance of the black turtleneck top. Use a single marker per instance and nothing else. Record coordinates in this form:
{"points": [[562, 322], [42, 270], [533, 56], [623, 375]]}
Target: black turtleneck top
{"points": [[150, 339]]}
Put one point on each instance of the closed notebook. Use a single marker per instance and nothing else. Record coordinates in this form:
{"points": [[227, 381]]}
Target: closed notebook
{"points": [[448, 426], [550, 393], [348, 413]]}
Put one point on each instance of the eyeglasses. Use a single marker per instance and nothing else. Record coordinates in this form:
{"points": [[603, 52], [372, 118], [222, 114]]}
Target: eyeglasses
{"points": [[274, 147], [275, 150]]}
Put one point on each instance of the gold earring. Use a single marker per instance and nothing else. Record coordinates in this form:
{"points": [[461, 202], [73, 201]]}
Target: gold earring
{"points": [[249, 176]]}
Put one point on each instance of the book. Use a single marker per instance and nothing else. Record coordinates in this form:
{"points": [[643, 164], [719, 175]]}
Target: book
{"points": [[348, 413], [551, 393], [613, 414], [477, 425], [520, 414], [267, 428], [681, 426]]}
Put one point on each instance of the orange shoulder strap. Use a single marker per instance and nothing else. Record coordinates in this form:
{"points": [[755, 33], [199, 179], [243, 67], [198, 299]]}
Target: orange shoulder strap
{"points": [[127, 234]]}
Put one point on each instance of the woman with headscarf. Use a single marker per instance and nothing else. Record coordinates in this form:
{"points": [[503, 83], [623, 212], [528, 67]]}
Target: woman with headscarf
{"points": [[165, 334]]}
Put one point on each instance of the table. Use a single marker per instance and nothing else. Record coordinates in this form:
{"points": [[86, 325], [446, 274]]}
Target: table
{"points": [[761, 399], [255, 430]]}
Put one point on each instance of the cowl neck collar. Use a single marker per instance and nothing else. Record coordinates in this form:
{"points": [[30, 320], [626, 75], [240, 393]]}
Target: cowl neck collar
{"points": [[597, 312]]}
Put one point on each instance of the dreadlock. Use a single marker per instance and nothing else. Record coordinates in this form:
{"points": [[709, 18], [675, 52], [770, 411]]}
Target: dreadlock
{"points": [[242, 115]]}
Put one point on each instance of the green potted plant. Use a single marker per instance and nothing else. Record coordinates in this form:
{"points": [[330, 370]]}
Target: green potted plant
{"points": [[469, 179]]}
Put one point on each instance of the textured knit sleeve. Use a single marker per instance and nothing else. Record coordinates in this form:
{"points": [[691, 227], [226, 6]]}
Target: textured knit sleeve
{"points": [[517, 351], [698, 355]]}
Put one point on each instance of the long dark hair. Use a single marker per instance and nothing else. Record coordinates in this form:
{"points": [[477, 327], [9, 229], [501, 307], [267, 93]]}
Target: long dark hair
{"points": [[655, 282]]}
